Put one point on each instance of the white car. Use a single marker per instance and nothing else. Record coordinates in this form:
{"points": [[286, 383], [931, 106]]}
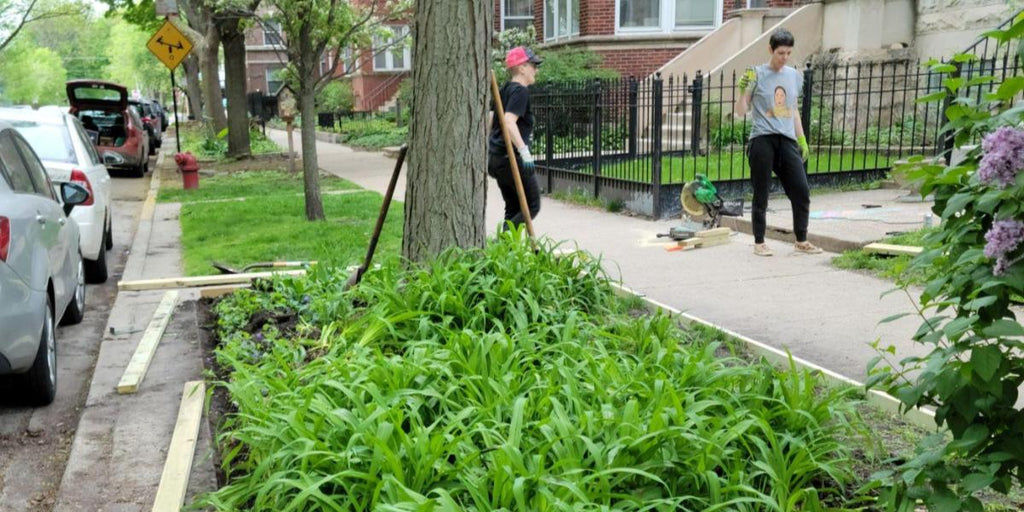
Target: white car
{"points": [[69, 156]]}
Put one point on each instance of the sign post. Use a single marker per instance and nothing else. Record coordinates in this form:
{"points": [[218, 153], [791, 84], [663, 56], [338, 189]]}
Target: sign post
{"points": [[171, 47]]}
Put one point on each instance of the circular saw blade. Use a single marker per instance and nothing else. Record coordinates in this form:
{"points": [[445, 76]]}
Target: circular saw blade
{"points": [[688, 198]]}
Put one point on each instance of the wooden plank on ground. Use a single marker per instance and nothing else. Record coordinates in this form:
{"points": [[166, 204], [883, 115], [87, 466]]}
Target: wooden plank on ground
{"points": [[195, 281], [210, 292], [139, 363], [892, 250], [707, 233], [170, 496]]}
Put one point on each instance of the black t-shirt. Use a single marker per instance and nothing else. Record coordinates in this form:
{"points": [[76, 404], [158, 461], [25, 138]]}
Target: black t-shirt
{"points": [[515, 97]]}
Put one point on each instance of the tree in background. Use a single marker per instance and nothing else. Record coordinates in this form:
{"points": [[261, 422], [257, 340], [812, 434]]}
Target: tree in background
{"points": [[312, 29], [32, 75], [130, 63], [16, 15], [80, 40], [447, 153]]}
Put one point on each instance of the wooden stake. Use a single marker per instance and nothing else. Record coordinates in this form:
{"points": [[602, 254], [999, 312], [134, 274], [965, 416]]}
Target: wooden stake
{"points": [[892, 250], [139, 364], [190, 282]]}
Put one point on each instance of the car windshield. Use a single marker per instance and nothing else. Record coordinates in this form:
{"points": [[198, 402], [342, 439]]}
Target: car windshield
{"points": [[51, 142]]}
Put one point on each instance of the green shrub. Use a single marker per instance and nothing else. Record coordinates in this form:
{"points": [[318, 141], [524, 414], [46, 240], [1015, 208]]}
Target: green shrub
{"points": [[501, 379], [336, 96]]}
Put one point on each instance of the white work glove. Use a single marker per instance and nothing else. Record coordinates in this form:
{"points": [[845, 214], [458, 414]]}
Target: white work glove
{"points": [[524, 153]]}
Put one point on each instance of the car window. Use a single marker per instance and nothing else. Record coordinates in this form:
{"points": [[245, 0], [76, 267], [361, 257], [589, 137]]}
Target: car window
{"points": [[51, 142], [17, 173], [86, 140], [36, 171]]}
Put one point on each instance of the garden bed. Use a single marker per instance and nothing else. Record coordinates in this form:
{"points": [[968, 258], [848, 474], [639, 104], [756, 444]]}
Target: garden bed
{"points": [[500, 378]]}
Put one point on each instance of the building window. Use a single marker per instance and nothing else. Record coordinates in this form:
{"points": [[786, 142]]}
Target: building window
{"points": [[757, 4], [348, 62], [561, 18], [275, 79], [272, 33], [667, 15], [516, 14], [392, 53]]}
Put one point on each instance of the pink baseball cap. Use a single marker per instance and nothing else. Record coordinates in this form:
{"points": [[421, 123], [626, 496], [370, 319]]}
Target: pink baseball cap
{"points": [[521, 55]]}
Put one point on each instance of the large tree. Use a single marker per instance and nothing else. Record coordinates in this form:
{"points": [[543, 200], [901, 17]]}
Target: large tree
{"points": [[231, 20], [32, 75], [312, 29], [447, 152], [16, 15]]}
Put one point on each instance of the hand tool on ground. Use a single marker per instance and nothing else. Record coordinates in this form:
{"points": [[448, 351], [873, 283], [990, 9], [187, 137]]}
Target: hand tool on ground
{"points": [[224, 269], [357, 274], [500, 113], [700, 200]]}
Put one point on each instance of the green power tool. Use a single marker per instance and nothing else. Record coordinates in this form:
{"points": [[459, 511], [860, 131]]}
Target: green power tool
{"points": [[701, 201]]}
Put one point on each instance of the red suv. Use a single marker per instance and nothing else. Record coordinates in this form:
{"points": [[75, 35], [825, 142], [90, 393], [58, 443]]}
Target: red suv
{"points": [[117, 131]]}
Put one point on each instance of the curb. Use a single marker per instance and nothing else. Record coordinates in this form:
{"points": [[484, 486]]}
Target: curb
{"points": [[133, 266], [923, 418], [827, 243]]}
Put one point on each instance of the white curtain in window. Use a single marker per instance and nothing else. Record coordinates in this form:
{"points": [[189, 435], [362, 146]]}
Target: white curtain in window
{"points": [[695, 13], [639, 13]]}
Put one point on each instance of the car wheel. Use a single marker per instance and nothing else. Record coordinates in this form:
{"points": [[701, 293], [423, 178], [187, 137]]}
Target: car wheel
{"points": [[76, 310], [140, 170], [41, 379], [108, 235], [96, 270]]}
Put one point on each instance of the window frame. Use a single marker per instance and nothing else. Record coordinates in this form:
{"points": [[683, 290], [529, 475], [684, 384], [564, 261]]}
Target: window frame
{"points": [[554, 17], [267, 72], [667, 21], [400, 32], [35, 167], [504, 16], [276, 34]]}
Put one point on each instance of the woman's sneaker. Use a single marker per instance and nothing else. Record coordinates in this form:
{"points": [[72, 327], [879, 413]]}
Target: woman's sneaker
{"points": [[762, 250], [807, 248]]}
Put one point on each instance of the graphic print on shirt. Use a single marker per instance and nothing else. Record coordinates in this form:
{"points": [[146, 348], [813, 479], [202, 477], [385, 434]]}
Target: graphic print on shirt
{"points": [[779, 109]]}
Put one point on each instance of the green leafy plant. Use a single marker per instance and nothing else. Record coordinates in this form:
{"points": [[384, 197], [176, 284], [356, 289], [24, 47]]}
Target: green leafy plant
{"points": [[336, 96], [976, 367], [506, 379]]}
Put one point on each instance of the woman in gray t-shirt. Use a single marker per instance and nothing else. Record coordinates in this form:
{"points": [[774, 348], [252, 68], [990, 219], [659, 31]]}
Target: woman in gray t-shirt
{"points": [[777, 142]]}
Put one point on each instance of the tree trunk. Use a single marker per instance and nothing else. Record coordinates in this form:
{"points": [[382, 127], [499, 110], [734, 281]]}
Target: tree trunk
{"points": [[233, 39], [212, 97], [310, 166], [192, 85], [447, 153]]}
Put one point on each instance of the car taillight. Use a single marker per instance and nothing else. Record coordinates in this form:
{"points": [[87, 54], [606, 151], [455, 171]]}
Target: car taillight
{"points": [[5, 237], [79, 177]]}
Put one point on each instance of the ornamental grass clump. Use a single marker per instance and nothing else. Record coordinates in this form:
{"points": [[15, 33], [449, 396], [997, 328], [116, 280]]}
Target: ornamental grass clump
{"points": [[500, 379]]}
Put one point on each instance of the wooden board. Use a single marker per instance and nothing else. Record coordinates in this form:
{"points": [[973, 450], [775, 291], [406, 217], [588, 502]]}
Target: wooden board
{"points": [[892, 250], [714, 232], [139, 363], [209, 292], [170, 496], [190, 282]]}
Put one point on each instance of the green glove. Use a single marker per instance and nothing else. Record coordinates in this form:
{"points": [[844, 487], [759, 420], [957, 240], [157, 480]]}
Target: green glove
{"points": [[804, 151], [746, 79]]}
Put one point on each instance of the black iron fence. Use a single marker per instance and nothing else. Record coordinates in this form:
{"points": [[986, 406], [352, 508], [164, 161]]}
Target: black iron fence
{"points": [[640, 141]]}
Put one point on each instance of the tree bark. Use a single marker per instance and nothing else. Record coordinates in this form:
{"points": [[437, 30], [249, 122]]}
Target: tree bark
{"points": [[212, 97], [446, 180], [233, 39], [310, 166], [192, 85]]}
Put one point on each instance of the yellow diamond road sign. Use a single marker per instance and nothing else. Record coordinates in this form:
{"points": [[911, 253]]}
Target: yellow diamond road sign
{"points": [[169, 45]]}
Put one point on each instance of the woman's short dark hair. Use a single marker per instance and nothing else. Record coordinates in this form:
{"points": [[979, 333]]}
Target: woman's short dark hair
{"points": [[781, 37]]}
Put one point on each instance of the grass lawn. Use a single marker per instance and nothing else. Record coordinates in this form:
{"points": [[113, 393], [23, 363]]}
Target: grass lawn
{"points": [[249, 184], [271, 225], [732, 166], [889, 267]]}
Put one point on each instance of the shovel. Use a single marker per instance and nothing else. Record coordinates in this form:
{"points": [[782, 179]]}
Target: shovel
{"points": [[357, 275], [224, 269]]}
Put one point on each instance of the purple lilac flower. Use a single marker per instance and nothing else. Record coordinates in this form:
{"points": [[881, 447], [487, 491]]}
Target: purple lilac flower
{"points": [[1004, 157], [1004, 237]]}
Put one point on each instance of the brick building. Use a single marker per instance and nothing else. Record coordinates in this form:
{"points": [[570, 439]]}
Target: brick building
{"points": [[634, 37]]}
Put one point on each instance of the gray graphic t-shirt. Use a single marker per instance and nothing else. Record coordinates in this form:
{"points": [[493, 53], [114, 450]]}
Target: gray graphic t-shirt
{"points": [[774, 101]]}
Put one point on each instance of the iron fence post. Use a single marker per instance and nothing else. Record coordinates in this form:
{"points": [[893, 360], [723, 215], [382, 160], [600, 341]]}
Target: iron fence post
{"points": [[949, 136], [696, 92], [549, 141], [596, 133], [656, 121], [633, 112], [805, 99]]}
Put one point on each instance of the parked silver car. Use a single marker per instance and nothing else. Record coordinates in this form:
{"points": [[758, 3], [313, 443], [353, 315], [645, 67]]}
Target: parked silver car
{"points": [[42, 277]]}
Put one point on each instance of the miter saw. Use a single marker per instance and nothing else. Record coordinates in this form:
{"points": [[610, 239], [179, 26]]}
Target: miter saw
{"points": [[701, 202]]}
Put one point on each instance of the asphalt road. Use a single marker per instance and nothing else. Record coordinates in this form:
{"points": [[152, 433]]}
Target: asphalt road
{"points": [[34, 442]]}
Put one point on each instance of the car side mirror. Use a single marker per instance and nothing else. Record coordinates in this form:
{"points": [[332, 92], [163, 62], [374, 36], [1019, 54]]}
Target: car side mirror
{"points": [[112, 158], [72, 194]]}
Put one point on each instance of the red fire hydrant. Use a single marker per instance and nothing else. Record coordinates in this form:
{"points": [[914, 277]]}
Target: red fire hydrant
{"points": [[189, 169]]}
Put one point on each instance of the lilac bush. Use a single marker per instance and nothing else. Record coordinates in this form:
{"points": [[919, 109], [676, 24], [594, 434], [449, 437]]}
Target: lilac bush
{"points": [[1001, 240], [1004, 157]]}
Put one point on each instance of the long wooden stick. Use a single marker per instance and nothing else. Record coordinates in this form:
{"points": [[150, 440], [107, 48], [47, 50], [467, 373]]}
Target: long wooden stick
{"points": [[523, 205]]}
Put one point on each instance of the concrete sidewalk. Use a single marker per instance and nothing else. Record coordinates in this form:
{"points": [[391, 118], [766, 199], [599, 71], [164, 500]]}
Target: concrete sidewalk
{"points": [[790, 301]]}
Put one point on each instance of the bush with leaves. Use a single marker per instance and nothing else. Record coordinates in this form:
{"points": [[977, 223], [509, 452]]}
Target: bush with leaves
{"points": [[975, 369], [337, 96]]}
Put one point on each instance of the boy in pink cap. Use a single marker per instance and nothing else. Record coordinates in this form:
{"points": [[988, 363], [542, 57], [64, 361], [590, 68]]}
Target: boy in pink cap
{"points": [[519, 120]]}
